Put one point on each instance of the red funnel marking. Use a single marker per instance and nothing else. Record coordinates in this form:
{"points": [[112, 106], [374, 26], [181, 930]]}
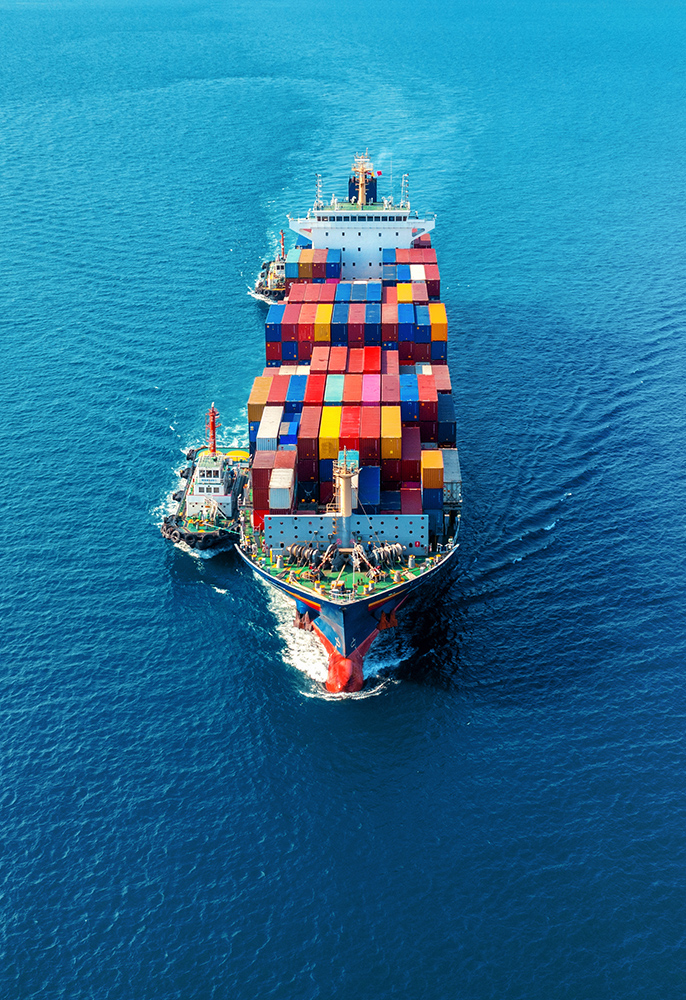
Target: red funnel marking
{"points": [[345, 672]]}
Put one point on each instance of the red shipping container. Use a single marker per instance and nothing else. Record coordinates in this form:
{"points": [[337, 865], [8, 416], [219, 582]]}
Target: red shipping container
{"points": [[272, 352], [325, 493], [258, 518], [420, 295], [391, 471], [261, 469], [429, 431], [308, 431], [405, 353], [314, 390], [349, 436], [356, 338], [411, 455], [389, 295], [297, 292], [327, 293], [433, 282], [278, 390], [421, 353], [286, 458], [410, 501], [308, 311], [308, 470], [428, 256], [372, 360], [370, 435], [428, 398], [390, 390], [352, 390], [338, 360], [260, 498], [441, 377], [305, 350], [356, 314], [289, 322], [389, 321], [311, 293], [402, 255], [355, 361], [319, 264], [320, 358], [390, 363]]}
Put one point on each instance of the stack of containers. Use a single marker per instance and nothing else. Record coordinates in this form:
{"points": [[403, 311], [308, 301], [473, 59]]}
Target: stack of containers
{"points": [[358, 314], [374, 381]]}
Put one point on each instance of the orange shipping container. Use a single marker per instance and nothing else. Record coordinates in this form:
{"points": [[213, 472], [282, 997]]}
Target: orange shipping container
{"points": [[432, 469], [439, 321], [258, 397]]}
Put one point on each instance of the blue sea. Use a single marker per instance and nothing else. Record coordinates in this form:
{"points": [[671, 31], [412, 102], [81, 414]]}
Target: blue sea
{"points": [[501, 814]]}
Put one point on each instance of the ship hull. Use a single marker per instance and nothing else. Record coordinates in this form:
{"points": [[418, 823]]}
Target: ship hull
{"points": [[347, 629]]}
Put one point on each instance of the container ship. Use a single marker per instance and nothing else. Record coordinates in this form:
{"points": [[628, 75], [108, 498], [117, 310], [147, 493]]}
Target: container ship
{"points": [[350, 500]]}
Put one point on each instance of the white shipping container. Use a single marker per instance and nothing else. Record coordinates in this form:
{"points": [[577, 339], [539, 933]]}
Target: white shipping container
{"points": [[417, 272], [268, 433], [281, 489]]}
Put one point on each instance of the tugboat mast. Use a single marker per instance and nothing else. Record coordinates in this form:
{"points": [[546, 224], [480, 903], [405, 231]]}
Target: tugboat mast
{"points": [[211, 429]]}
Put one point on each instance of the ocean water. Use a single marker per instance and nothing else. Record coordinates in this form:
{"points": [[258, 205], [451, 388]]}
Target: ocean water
{"points": [[502, 814]]}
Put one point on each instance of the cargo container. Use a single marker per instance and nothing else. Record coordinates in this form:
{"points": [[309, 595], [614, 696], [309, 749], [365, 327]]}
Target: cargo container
{"points": [[282, 489], [329, 432], [391, 432], [432, 469], [258, 397], [268, 434], [370, 435]]}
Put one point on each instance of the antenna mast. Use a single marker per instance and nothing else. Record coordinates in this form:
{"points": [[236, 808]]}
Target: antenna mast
{"points": [[318, 201], [211, 429], [405, 191]]}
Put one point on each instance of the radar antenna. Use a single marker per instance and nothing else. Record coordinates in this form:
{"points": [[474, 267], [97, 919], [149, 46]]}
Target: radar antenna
{"points": [[319, 201]]}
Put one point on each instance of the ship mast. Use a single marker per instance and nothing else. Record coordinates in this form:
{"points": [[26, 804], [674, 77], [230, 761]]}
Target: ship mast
{"points": [[344, 477], [362, 167], [211, 429]]}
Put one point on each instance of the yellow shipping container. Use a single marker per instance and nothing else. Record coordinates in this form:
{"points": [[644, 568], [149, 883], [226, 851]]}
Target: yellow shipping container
{"points": [[322, 323], [258, 397], [432, 470], [391, 432], [329, 430], [404, 293], [439, 321], [305, 263]]}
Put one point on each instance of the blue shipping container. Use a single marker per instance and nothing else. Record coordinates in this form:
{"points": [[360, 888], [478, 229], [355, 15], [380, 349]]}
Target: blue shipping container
{"points": [[388, 274], [296, 394], [439, 350], [343, 291], [359, 292], [403, 272], [423, 325], [406, 326], [432, 499], [388, 256], [374, 291], [369, 488], [289, 350]]}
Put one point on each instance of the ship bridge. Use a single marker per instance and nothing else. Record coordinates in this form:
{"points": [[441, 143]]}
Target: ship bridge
{"points": [[361, 229]]}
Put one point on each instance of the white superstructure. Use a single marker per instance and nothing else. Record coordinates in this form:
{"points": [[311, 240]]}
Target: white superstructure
{"points": [[361, 228]]}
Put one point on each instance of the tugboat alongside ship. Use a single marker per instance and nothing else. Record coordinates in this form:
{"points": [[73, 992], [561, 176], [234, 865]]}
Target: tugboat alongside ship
{"points": [[349, 498]]}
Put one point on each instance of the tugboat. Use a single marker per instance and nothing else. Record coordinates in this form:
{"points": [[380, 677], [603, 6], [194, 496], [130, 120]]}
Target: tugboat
{"points": [[271, 281], [207, 515]]}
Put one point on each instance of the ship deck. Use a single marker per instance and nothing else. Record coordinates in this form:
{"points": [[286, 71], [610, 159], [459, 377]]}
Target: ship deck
{"points": [[341, 586]]}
